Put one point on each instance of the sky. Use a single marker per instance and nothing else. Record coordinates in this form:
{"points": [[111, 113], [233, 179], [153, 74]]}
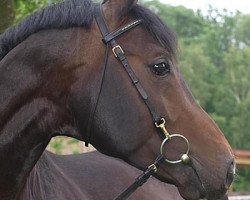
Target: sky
{"points": [[231, 5]]}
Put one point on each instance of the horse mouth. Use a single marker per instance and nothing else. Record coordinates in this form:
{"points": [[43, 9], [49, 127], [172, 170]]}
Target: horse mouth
{"points": [[198, 191], [190, 189]]}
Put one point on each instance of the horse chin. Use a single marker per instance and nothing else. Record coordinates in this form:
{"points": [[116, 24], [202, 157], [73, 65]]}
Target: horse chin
{"points": [[192, 192], [188, 189], [214, 195]]}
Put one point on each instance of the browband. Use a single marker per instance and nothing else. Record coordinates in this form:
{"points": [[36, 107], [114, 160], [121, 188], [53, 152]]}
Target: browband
{"points": [[110, 36]]}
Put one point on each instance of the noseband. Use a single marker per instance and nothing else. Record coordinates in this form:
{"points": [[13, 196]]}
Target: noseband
{"points": [[159, 122]]}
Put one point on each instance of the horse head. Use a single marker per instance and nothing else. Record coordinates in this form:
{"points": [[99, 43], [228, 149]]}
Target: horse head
{"points": [[122, 126]]}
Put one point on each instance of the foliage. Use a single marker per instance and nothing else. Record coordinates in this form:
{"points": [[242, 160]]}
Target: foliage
{"points": [[242, 31], [176, 17], [64, 145], [25, 7], [214, 59], [241, 182], [7, 13]]}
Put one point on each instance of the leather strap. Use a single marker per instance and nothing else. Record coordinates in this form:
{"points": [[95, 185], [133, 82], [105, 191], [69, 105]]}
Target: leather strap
{"points": [[140, 180], [118, 52], [110, 36], [93, 108]]}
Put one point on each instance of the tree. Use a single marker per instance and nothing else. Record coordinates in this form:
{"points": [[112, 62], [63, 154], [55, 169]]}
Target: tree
{"points": [[237, 76], [219, 34], [197, 67], [26, 7], [6, 14], [242, 31], [185, 22]]}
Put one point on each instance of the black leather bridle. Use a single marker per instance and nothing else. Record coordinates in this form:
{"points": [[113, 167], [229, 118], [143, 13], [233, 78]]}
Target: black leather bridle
{"points": [[109, 39]]}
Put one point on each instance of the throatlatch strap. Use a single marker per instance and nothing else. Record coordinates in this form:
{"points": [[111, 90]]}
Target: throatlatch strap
{"points": [[93, 108]]}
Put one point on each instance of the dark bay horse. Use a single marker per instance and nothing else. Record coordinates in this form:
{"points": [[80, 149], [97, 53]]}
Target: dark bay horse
{"points": [[89, 176], [57, 77]]}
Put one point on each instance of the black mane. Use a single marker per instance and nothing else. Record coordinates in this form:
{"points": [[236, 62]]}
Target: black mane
{"points": [[78, 13], [70, 13]]}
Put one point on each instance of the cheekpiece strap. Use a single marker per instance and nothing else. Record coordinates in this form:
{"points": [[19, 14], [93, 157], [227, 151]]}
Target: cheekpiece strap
{"points": [[119, 54]]}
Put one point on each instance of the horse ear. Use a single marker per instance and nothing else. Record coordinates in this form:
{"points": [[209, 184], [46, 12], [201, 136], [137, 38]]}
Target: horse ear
{"points": [[115, 9]]}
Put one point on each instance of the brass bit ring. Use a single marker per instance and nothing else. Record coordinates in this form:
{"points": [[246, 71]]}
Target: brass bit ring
{"points": [[184, 158]]}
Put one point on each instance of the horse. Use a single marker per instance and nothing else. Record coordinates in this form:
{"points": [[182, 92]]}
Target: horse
{"points": [[106, 75], [79, 177], [63, 177]]}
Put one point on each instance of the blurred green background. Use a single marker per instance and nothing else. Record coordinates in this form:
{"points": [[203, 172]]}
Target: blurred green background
{"points": [[214, 57]]}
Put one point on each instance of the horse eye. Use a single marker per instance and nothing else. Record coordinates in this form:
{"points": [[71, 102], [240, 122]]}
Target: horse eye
{"points": [[160, 68]]}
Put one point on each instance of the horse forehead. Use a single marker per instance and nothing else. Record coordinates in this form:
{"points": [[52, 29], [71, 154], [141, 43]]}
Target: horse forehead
{"points": [[141, 42]]}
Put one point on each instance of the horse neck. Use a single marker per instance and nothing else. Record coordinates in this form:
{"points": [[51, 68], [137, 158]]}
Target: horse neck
{"points": [[41, 181], [56, 177], [36, 81]]}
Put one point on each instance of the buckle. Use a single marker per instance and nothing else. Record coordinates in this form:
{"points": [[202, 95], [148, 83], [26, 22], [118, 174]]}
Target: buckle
{"points": [[162, 126], [153, 168], [117, 47]]}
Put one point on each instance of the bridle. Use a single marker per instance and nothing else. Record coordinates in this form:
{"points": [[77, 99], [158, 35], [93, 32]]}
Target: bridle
{"points": [[159, 122]]}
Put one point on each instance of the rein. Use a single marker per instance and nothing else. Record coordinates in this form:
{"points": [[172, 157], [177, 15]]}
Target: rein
{"points": [[159, 122], [140, 180]]}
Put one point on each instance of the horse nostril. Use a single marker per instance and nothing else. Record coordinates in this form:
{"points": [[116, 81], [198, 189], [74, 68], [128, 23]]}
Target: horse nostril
{"points": [[230, 174]]}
